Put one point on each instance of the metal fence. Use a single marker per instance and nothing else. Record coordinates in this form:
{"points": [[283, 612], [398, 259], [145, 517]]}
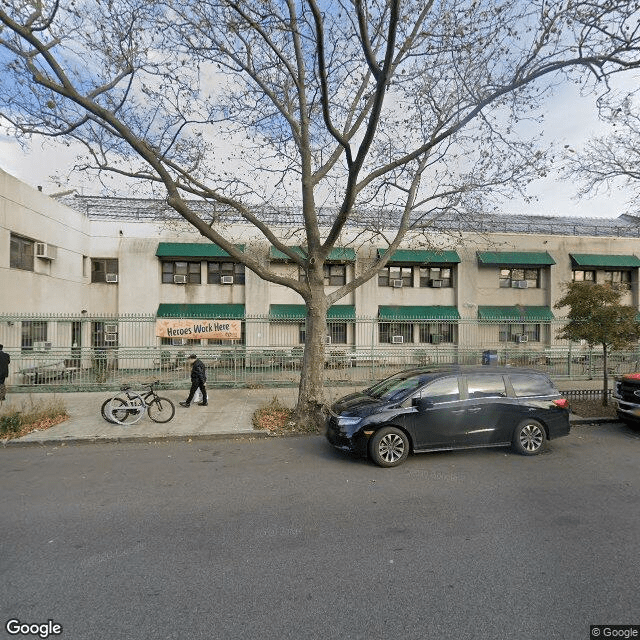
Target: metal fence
{"points": [[71, 353]]}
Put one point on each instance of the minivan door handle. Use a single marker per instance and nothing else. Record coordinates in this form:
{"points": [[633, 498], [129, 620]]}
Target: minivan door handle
{"points": [[474, 410]]}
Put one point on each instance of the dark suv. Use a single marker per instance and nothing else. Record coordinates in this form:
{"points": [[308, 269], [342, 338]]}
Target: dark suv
{"points": [[453, 408]]}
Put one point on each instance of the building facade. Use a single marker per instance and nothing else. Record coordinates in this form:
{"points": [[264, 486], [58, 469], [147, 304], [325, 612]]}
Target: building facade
{"points": [[87, 273]]}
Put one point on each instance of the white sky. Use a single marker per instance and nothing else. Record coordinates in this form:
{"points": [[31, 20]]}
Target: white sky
{"points": [[570, 120]]}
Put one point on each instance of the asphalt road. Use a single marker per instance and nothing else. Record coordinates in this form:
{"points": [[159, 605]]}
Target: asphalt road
{"points": [[289, 539]]}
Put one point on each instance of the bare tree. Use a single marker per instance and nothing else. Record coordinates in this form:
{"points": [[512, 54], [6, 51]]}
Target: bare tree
{"points": [[611, 160], [352, 107]]}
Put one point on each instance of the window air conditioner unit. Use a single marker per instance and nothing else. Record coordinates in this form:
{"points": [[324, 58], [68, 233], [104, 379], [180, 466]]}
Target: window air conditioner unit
{"points": [[41, 345], [396, 283], [180, 279], [522, 338], [520, 284], [436, 283], [46, 251], [226, 280], [397, 339], [327, 339], [111, 328], [178, 342], [111, 277], [111, 337]]}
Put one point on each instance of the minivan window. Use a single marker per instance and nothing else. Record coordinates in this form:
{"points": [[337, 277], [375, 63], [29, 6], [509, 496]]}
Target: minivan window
{"points": [[486, 386], [442, 390], [531, 385], [395, 387]]}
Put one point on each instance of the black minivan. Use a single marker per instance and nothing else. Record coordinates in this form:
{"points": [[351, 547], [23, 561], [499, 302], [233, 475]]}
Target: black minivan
{"points": [[449, 408]]}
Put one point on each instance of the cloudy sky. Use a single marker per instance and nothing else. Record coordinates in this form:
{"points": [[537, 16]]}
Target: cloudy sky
{"points": [[570, 121]]}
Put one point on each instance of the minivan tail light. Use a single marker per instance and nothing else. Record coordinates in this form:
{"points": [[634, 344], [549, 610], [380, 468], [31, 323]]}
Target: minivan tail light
{"points": [[563, 403]]}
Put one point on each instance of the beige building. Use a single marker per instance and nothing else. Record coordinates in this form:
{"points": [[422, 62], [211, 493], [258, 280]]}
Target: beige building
{"points": [[76, 272]]}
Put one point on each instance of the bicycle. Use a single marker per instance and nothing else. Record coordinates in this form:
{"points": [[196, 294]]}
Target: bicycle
{"points": [[129, 406]]}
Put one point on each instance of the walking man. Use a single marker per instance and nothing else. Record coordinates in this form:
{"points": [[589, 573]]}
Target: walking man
{"points": [[4, 372], [198, 378]]}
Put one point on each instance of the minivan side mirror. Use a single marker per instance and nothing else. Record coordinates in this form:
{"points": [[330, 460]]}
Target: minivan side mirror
{"points": [[422, 404]]}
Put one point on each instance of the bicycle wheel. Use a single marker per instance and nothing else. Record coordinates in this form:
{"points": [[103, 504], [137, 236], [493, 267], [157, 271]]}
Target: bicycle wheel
{"points": [[126, 409], [121, 413], [104, 410], [161, 409]]}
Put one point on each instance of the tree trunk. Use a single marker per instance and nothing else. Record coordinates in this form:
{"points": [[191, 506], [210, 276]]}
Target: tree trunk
{"points": [[310, 409], [605, 386]]}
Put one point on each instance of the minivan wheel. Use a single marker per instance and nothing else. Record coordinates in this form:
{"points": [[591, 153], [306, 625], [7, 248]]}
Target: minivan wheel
{"points": [[529, 438], [389, 447]]}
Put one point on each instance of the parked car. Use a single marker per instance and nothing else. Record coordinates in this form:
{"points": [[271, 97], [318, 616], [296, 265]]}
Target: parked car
{"points": [[454, 408], [626, 393]]}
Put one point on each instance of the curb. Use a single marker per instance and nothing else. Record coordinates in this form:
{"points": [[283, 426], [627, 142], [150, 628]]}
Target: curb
{"points": [[249, 435]]}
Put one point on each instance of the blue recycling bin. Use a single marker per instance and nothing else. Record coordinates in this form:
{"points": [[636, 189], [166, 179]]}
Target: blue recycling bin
{"points": [[490, 357]]}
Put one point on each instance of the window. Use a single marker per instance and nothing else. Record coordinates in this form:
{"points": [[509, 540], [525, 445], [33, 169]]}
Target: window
{"points": [[531, 385], [442, 390], [516, 277], [436, 277], [189, 272], [337, 331], [335, 275], [620, 278], [392, 276], [33, 332], [437, 332], [486, 386], [579, 275], [519, 333], [104, 334], [21, 253], [218, 270], [100, 267], [395, 332]]}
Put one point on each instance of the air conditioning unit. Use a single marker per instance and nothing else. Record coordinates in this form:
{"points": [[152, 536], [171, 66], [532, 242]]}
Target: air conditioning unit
{"points": [[520, 284], [522, 338], [180, 279], [111, 277], [435, 338], [327, 339], [396, 283], [46, 251], [111, 337], [226, 280], [111, 328], [178, 342], [397, 339], [436, 283], [41, 345]]}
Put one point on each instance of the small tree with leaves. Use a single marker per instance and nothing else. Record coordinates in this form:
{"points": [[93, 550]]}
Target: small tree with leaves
{"points": [[596, 316]]}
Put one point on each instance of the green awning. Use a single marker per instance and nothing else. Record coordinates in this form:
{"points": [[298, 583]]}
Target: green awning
{"points": [[192, 250], [598, 260], [418, 256], [299, 312], [516, 314], [390, 313], [337, 254], [226, 311], [515, 258]]}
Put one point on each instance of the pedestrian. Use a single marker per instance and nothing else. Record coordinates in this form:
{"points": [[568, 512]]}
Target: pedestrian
{"points": [[4, 372], [198, 378]]}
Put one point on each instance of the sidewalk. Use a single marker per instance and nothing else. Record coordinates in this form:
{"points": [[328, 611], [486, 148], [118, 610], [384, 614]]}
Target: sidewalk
{"points": [[228, 415]]}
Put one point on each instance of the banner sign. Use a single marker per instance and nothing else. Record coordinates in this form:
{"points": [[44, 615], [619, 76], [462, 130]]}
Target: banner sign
{"points": [[195, 329]]}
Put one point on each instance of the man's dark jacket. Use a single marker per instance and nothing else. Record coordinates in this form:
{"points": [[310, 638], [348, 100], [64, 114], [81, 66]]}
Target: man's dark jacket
{"points": [[4, 365], [198, 372]]}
